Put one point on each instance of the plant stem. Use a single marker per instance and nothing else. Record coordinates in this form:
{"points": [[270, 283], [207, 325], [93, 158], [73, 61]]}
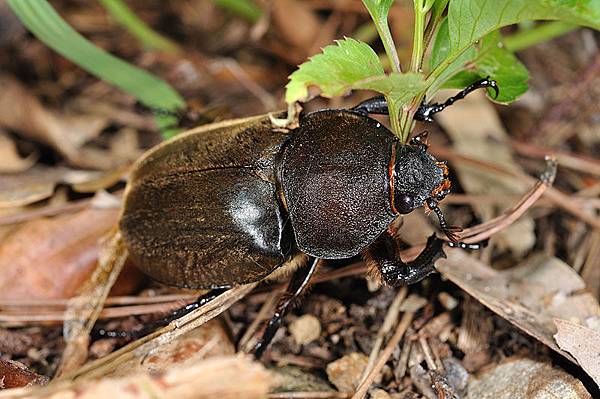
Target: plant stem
{"points": [[417, 54], [539, 34], [388, 43], [405, 123]]}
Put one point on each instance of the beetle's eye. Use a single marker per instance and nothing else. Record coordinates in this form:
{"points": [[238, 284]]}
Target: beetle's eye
{"points": [[404, 203]]}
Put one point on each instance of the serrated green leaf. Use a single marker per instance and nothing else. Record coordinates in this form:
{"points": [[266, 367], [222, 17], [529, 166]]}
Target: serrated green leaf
{"points": [[470, 20], [441, 50], [43, 21], [495, 62], [401, 87], [488, 58], [335, 70]]}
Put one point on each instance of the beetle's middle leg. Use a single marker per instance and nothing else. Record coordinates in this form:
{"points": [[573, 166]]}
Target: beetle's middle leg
{"points": [[384, 254], [296, 287]]}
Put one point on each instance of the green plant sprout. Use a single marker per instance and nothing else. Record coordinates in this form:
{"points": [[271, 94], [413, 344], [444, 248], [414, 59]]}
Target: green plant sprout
{"points": [[455, 43]]}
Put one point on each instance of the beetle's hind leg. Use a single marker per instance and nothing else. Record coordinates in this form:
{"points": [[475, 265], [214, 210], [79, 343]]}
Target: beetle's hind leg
{"points": [[384, 254], [296, 287], [147, 329], [425, 111]]}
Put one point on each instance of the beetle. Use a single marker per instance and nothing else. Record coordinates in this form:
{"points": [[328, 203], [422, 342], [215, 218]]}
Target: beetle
{"points": [[238, 202]]}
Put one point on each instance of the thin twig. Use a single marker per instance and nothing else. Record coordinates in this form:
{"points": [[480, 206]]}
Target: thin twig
{"points": [[309, 395], [388, 323], [245, 344], [362, 389]]}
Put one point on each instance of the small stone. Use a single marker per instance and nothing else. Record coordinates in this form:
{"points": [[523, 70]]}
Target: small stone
{"points": [[345, 373], [526, 379], [305, 329], [447, 300]]}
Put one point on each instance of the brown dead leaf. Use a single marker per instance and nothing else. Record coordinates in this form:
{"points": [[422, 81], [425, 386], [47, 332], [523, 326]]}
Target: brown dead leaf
{"points": [[23, 113], [51, 257], [229, 377], [14, 375], [209, 340], [12, 162], [581, 342], [529, 295], [39, 183], [296, 23]]}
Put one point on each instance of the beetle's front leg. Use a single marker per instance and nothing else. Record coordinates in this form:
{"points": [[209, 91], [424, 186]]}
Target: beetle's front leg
{"points": [[384, 254], [374, 105]]}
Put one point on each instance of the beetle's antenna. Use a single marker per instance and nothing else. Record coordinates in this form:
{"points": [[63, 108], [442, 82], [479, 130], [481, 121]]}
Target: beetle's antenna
{"points": [[426, 111]]}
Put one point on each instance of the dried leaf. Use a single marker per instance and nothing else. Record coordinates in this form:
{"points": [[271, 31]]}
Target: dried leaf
{"points": [[581, 342], [224, 377], [208, 340], [11, 160], [14, 375], [24, 114], [51, 257], [529, 295]]}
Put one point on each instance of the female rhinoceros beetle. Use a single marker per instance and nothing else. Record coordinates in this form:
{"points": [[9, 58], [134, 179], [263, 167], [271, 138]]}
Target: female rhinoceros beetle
{"points": [[232, 203]]}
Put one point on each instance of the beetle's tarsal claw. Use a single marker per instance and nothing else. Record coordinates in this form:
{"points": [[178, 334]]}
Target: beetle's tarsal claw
{"points": [[464, 245]]}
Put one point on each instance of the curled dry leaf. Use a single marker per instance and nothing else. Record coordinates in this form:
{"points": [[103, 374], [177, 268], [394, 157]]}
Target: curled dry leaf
{"points": [[51, 257], [23, 113], [223, 377], [15, 375], [12, 162], [209, 340], [39, 183], [529, 295], [581, 342]]}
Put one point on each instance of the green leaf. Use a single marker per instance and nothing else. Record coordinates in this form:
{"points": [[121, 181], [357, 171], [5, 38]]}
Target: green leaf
{"points": [[41, 19], [470, 20], [438, 8], [335, 70], [148, 37], [487, 58], [441, 51], [498, 63], [401, 87], [398, 88]]}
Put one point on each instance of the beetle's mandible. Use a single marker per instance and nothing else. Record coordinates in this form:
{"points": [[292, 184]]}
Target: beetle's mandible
{"points": [[235, 202]]}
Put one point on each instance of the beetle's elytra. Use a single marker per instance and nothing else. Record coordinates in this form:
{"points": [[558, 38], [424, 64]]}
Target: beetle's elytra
{"points": [[231, 203]]}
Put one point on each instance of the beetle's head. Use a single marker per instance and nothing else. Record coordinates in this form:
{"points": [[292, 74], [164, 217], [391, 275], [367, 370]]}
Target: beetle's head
{"points": [[418, 178]]}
